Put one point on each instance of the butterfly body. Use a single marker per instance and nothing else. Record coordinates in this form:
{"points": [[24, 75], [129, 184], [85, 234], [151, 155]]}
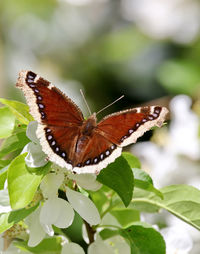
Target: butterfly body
{"points": [[83, 146]]}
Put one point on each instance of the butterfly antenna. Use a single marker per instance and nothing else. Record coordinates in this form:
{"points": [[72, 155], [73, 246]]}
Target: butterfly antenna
{"points": [[110, 104], [85, 102]]}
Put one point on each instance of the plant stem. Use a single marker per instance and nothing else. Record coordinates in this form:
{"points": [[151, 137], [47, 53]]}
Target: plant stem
{"points": [[90, 232]]}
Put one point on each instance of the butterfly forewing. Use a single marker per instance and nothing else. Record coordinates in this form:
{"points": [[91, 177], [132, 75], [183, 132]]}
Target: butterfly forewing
{"points": [[48, 104]]}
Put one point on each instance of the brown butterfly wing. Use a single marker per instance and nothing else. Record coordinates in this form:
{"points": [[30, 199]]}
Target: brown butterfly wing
{"points": [[98, 154], [48, 105], [58, 116], [123, 128]]}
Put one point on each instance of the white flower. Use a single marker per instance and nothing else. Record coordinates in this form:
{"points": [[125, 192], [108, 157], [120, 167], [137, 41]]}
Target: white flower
{"points": [[35, 157], [57, 211], [115, 244], [4, 201], [176, 19], [178, 241], [184, 128], [72, 248], [86, 181]]}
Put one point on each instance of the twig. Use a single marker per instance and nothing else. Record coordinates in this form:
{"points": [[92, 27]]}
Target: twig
{"points": [[90, 232]]}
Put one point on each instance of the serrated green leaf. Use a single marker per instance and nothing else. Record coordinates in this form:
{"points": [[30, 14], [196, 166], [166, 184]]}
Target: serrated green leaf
{"points": [[19, 109], [119, 177], [132, 160], [144, 240], [126, 216], [13, 143], [7, 220], [22, 185], [182, 201], [7, 122], [47, 246]]}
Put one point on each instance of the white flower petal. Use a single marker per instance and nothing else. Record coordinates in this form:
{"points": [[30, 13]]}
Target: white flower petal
{"points": [[108, 219], [48, 229], [4, 201], [31, 132], [118, 244], [72, 248], [99, 247], [37, 233], [86, 181], [50, 184], [66, 215], [83, 206], [35, 157], [58, 212]]}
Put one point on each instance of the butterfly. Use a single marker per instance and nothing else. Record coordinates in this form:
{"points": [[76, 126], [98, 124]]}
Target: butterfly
{"points": [[70, 141]]}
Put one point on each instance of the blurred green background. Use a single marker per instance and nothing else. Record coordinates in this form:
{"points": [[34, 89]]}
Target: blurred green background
{"points": [[144, 49]]}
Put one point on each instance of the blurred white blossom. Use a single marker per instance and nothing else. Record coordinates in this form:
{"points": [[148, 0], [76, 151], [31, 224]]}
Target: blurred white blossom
{"points": [[113, 245], [4, 201], [177, 240], [161, 19]]}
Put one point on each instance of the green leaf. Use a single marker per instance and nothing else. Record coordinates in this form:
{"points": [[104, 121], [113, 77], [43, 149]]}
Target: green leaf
{"points": [[4, 163], [47, 246], [19, 109], [180, 76], [7, 220], [119, 177], [144, 239], [22, 185], [3, 177], [132, 160], [108, 233], [7, 122], [126, 216], [140, 174], [13, 143], [182, 201], [144, 181]]}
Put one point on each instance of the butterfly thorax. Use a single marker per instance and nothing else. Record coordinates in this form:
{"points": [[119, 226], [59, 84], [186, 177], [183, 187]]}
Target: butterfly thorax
{"points": [[84, 138], [89, 125]]}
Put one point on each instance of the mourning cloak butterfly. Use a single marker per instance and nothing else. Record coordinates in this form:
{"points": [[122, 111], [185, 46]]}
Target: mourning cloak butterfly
{"points": [[83, 146]]}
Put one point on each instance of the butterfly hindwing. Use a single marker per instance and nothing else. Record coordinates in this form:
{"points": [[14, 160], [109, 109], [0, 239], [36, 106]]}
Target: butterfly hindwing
{"points": [[123, 128], [97, 155]]}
